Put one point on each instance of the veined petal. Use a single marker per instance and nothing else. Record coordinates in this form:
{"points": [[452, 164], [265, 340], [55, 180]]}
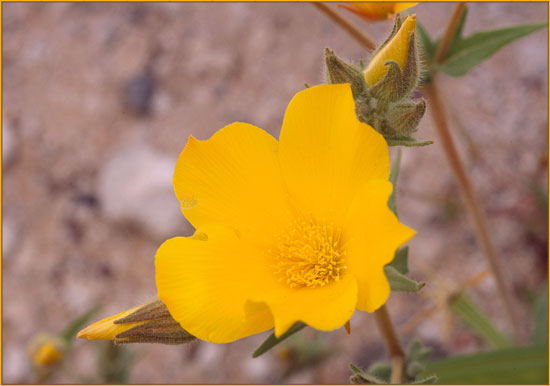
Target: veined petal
{"points": [[232, 179], [323, 308], [373, 233], [325, 153], [205, 284]]}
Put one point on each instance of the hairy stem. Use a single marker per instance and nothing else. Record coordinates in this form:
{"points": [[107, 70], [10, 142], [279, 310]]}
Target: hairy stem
{"points": [[391, 342], [350, 28], [472, 204]]}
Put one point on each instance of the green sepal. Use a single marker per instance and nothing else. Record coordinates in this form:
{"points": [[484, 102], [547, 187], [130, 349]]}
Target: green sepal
{"points": [[272, 340], [390, 87], [338, 71], [407, 141], [400, 282], [403, 118], [471, 51]]}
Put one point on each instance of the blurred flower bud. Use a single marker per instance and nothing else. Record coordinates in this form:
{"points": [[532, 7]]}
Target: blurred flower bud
{"points": [[46, 350], [149, 322], [376, 11]]}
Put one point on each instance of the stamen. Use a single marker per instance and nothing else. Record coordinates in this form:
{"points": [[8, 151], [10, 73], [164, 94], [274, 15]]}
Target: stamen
{"points": [[309, 254]]}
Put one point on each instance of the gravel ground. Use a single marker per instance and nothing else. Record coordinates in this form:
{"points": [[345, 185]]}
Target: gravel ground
{"points": [[100, 98]]}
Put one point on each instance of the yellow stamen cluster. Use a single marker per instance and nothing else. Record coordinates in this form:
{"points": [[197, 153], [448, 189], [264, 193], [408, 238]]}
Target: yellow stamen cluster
{"points": [[310, 254]]}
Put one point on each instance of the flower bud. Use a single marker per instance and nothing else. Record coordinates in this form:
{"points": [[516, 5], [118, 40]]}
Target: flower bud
{"points": [[46, 350], [376, 11], [149, 322], [395, 50]]}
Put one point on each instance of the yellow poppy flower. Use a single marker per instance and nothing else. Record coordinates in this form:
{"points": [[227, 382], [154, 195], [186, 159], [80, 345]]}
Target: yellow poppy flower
{"points": [[290, 230], [376, 11], [397, 49]]}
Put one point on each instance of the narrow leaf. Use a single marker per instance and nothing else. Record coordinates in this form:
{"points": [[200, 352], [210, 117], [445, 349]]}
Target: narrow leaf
{"points": [[464, 307], [428, 46], [394, 173], [400, 282], [77, 324], [517, 365], [272, 340], [476, 48]]}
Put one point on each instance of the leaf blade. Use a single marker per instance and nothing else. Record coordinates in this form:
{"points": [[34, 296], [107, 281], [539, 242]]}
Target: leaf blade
{"points": [[272, 340]]}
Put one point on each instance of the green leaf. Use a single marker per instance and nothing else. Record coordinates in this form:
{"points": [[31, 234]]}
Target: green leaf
{"points": [[394, 173], [517, 365], [401, 260], [362, 378], [428, 46], [77, 324], [540, 333], [380, 370], [469, 52], [272, 340], [473, 317], [400, 282]]}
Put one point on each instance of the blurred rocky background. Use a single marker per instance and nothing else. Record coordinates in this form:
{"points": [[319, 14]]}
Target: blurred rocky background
{"points": [[100, 98]]}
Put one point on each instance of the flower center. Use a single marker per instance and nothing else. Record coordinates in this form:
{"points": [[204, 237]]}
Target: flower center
{"points": [[310, 254]]}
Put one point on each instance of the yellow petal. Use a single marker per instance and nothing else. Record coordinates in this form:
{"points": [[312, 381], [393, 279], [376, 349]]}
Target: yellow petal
{"points": [[325, 153], [398, 7], [373, 234], [232, 179], [395, 50], [323, 308], [106, 329], [205, 284]]}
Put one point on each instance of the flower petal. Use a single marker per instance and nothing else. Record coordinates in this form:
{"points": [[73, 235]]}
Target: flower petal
{"points": [[373, 233], [323, 308], [325, 153], [232, 179], [205, 284]]}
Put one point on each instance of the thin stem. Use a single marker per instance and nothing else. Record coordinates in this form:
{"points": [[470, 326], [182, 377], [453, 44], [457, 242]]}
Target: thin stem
{"points": [[472, 203], [443, 47], [350, 28], [391, 342]]}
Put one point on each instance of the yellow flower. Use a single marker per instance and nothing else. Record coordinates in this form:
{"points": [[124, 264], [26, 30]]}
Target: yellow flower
{"points": [[376, 11], [290, 230], [106, 329], [396, 49], [45, 350]]}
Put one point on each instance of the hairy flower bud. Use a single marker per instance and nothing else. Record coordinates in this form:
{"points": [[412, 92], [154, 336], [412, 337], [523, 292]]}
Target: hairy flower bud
{"points": [[149, 322], [46, 350]]}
